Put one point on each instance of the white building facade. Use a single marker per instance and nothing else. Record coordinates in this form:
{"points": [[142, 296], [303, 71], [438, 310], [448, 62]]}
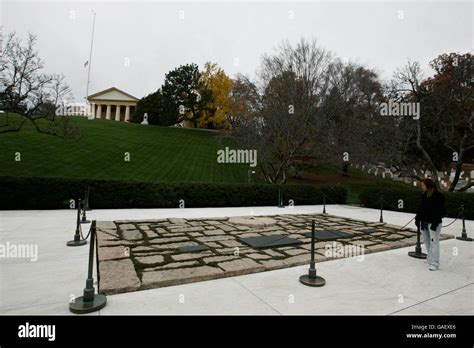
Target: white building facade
{"points": [[112, 104]]}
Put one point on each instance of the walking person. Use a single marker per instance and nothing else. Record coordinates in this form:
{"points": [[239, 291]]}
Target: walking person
{"points": [[429, 217]]}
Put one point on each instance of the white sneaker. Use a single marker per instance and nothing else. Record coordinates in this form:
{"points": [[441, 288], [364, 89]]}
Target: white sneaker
{"points": [[433, 268]]}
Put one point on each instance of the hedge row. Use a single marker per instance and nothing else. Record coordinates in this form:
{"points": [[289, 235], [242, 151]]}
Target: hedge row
{"points": [[56, 193], [411, 198]]}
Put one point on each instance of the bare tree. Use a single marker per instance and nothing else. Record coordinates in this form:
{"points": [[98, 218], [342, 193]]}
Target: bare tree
{"points": [[443, 133], [407, 87], [452, 98], [350, 113], [293, 85], [26, 91]]}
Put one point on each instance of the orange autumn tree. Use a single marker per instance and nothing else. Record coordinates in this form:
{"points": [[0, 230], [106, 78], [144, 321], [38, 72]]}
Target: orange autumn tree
{"points": [[214, 79]]}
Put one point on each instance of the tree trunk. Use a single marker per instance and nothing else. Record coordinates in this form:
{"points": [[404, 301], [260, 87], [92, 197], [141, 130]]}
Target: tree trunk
{"points": [[283, 179], [458, 163], [345, 169], [456, 175], [426, 155]]}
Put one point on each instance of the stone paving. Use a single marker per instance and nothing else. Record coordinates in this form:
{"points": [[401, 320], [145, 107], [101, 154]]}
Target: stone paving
{"points": [[137, 255]]}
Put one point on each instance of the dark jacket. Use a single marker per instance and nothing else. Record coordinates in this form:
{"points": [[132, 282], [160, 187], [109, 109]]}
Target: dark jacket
{"points": [[432, 209]]}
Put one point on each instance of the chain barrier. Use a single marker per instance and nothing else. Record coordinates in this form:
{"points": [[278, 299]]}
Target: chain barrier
{"points": [[396, 209], [82, 236], [452, 222], [344, 205]]}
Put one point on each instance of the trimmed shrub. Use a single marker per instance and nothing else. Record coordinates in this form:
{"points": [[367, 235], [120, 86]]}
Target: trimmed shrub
{"points": [[56, 193], [411, 198]]}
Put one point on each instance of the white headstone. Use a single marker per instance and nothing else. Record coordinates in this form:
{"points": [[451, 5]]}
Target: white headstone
{"points": [[461, 183], [145, 118]]}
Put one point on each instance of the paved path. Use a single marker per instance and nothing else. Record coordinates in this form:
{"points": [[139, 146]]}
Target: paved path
{"points": [[387, 282]]}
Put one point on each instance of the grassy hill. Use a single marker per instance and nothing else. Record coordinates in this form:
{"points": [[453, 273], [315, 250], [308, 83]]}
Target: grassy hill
{"points": [[158, 154]]}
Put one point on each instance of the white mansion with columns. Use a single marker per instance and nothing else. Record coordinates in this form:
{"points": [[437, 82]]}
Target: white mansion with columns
{"points": [[112, 104]]}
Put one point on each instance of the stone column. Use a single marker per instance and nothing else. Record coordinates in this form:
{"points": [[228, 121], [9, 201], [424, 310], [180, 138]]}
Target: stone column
{"points": [[127, 113], [99, 110], [107, 113], [93, 110], [117, 113]]}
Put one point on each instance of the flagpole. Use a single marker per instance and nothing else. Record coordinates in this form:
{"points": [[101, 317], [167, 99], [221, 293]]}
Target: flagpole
{"points": [[90, 60]]}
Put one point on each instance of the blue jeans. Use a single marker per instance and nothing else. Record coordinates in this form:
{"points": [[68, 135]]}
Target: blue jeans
{"points": [[431, 241]]}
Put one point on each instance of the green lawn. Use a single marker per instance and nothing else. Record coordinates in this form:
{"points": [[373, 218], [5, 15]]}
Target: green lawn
{"points": [[158, 154]]}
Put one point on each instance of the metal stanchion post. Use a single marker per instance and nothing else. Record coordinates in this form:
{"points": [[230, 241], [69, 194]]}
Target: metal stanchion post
{"points": [[417, 253], [84, 217], [464, 236], [77, 236], [280, 199], [381, 209], [91, 301], [311, 279], [86, 203], [324, 204]]}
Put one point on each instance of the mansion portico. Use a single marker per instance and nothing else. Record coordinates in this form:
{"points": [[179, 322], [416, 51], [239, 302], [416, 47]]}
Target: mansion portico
{"points": [[112, 104]]}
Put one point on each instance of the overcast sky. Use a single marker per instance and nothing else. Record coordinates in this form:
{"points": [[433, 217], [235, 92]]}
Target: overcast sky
{"points": [[137, 42]]}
